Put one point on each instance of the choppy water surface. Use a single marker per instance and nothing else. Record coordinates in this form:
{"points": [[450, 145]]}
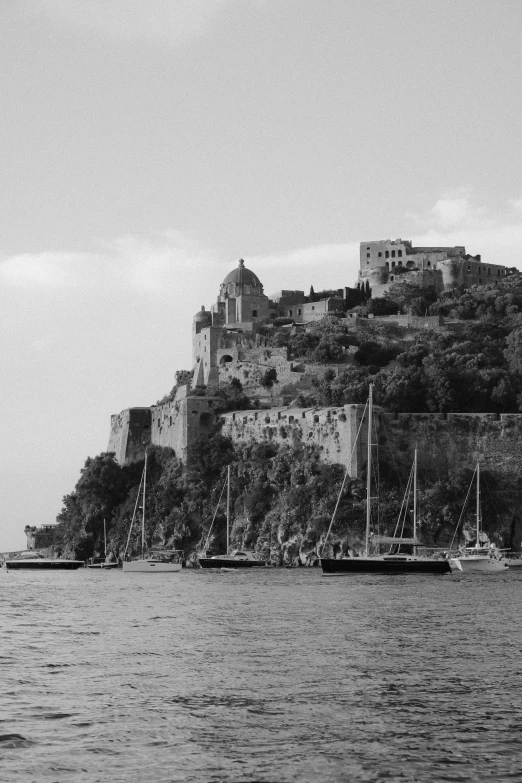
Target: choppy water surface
{"points": [[269, 675]]}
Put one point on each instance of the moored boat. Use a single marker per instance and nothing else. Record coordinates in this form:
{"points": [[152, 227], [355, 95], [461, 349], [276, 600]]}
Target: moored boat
{"points": [[33, 560], [477, 558], [157, 560], [238, 558], [103, 562], [389, 563]]}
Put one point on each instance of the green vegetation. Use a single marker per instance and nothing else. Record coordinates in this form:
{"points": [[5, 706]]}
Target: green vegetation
{"points": [[283, 494], [283, 499]]}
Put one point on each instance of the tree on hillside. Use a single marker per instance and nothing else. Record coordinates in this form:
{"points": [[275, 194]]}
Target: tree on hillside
{"points": [[407, 294]]}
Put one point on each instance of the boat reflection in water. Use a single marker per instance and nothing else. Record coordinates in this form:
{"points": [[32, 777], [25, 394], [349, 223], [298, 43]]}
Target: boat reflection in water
{"points": [[383, 564], [37, 562]]}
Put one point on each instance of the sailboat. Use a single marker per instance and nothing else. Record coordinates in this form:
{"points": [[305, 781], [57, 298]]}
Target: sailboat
{"points": [[101, 562], [157, 560], [483, 559], [382, 564], [243, 558]]}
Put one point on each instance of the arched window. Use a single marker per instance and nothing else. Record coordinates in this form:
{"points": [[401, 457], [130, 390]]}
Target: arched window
{"points": [[393, 264], [399, 253], [387, 254], [387, 264], [231, 288], [393, 253]]}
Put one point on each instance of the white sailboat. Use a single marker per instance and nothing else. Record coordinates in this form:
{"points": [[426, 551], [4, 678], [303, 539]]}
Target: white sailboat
{"points": [[482, 559], [157, 560]]}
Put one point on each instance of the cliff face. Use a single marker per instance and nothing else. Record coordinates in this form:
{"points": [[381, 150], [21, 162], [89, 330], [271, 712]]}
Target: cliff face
{"points": [[446, 443]]}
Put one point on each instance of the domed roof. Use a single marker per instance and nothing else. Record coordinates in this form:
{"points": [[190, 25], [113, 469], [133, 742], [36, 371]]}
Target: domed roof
{"points": [[241, 275], [202, 314]]}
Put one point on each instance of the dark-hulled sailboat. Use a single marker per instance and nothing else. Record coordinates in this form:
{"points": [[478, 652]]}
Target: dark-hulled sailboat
{"points": [[382, 564], [238, 558]]}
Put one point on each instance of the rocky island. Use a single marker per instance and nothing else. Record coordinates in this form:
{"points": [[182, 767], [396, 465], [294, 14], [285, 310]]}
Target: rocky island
{"points": [[277, 391]]}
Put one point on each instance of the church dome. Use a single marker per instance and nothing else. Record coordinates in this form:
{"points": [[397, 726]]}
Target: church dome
{"points": [[242, 276], [202, 315]]}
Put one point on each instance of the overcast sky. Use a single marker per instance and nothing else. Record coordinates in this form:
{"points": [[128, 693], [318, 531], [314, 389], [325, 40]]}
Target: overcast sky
{"points": [[149, 144]]}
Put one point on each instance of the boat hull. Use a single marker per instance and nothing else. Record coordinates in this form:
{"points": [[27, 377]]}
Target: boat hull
{"points": [[150, 567], [483, 565], [377, 565], [222, 562], [43, 565]]}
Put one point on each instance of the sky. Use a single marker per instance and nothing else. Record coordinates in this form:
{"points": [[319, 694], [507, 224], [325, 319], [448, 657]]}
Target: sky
{"points": [[148, 145]]}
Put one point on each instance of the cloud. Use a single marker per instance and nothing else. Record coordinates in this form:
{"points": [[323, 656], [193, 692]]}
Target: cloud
{"points": [[173, 21], [149, 264], [323, 266], [458, 218]]}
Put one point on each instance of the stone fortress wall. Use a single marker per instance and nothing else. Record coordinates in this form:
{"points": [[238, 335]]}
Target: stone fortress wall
{"points": [[229, 342], [445, 441]]}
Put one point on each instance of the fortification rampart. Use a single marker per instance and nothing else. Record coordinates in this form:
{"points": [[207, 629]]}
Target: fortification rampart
{"points": [[130, 434], [176, 424], [332, 430], [445, 442]]}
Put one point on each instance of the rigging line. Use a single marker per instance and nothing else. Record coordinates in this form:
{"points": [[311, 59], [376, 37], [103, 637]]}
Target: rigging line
{"points": [[344, 480], [463, 508], [134, 514], [391, 452], [215, 514], [404, 498]]}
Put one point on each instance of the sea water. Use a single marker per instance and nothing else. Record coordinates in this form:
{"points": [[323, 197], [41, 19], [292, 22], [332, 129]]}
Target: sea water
{"points": [[259, 675]]}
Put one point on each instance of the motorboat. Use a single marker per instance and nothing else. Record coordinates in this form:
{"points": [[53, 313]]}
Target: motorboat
{"points": [[479, 558], [36, 561]]}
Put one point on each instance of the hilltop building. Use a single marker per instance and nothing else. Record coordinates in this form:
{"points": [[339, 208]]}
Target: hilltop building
{"points": [[383, 262], [231, 340]]}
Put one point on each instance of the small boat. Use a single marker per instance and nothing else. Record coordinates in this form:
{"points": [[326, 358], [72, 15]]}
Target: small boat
{"points": [[238, 559], [382, 564], [163, 560], [102, 562], [157, 560], [243, 558], [477, 558], [33, 560], [513, 559]]}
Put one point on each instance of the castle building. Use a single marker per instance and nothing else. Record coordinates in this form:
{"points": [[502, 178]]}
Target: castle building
{"points": [[385, 261], [216, 333]]}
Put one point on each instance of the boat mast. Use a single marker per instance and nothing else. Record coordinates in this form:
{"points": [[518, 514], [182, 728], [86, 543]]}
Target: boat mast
{"points": [[478, 505], [143, 509], [415, 499], [228, 507], [369, 473], [104, 539]]}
